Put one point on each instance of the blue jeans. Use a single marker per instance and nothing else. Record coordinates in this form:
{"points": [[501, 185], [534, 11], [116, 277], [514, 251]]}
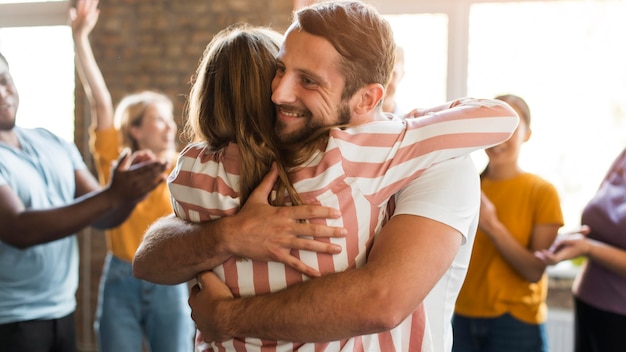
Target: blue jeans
{"points": [[500, 334], [131, 310]]}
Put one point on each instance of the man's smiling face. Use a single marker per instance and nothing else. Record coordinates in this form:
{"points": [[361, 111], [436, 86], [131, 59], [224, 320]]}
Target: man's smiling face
{"points": [[307, 87]]}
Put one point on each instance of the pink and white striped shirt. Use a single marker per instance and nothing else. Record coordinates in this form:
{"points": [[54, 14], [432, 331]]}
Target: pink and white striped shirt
{"points": [[361, 168]]}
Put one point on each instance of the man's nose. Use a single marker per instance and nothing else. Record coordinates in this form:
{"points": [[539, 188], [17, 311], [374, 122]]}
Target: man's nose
{"points": [[282, 90]]}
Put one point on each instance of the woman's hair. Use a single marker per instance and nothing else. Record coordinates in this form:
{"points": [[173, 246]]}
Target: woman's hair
{"points": [[130, 112], [230, 102]]}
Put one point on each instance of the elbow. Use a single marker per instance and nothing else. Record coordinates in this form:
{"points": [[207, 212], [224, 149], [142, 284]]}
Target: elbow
{"points": [[389, 319], [535, 276], [142, 270], [139, 267], [389, 309]]}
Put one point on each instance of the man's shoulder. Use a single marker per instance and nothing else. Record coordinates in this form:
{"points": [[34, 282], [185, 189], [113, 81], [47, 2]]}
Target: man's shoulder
{"points": [[38, 134]]}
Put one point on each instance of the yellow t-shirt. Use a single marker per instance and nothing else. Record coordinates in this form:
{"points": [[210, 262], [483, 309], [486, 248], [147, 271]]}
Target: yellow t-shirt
{"points": [[124, 240], [492, 287]]}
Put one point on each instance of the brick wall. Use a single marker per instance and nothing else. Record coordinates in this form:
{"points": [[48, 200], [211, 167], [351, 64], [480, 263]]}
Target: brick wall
{"points": [[152, 45]]}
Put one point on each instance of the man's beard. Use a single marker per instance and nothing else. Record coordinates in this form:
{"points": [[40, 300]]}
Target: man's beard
{"points": [[311, 126]]}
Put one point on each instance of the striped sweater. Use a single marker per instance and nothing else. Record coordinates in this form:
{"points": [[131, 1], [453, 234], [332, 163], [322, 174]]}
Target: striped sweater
{"points": [[358, 172]]}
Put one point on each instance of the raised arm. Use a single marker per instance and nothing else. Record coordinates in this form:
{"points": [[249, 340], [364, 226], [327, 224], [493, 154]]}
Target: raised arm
{"points": [[84, 17], [174, 251]]}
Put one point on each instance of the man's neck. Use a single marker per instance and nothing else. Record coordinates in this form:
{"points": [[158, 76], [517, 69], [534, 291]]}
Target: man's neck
{"points": [[10, 138], [377, 116]]}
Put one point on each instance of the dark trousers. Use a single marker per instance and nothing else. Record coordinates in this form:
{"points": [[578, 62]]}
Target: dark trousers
{"points": [[56, 335], [499, 334], [597, 330]]}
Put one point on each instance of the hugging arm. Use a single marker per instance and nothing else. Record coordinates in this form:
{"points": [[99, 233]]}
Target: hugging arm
{"points": [[175, 251], [401, 269], [409, 256]]}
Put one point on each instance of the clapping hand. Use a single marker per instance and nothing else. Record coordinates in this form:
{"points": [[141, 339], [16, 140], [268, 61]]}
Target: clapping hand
{"points": [[567, 245]]}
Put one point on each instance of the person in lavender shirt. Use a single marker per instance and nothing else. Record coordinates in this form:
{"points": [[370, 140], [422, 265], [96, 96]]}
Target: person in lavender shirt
{"points": [[600, 287]]}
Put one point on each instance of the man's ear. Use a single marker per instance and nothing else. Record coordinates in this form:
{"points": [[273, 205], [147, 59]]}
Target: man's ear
{"points": [[369, 97], [528, 133]]}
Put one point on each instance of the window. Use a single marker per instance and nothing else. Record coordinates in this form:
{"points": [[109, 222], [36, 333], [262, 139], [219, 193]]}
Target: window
{"points": [[563, 57], [572, 75], [41, 59], [424, 82]]}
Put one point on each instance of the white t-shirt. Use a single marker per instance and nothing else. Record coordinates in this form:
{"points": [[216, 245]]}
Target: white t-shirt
{"points": [[448, 192]]}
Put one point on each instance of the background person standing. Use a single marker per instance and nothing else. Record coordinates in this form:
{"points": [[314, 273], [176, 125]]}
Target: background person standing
{"points": [[131, 311]]}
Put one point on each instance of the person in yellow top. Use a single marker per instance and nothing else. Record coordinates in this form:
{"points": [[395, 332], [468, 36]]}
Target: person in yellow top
{"points": [[131, 311], [502, 303]]}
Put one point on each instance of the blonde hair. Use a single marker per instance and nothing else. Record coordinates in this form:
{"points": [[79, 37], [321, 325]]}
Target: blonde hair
{"points": [[130, 112], [230, 101]]}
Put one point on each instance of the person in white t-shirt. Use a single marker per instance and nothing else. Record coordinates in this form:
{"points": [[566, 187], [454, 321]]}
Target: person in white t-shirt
{"points": [[310, 91]]}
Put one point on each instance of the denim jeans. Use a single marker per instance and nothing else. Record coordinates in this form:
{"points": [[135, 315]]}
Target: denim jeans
{"points": [[131, 310], [499, 334]]}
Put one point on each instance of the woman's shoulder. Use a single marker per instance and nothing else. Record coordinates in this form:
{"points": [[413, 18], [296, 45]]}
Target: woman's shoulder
{"points": [[201, 157]]}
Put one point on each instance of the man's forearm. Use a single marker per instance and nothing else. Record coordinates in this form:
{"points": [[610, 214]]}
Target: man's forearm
{"points": [[175, 251], [316, 311], [401, 270]]}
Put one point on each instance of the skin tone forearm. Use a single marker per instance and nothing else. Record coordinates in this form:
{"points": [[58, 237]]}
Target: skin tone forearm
{"points": [[612, 258], [23, 227], [175, 251], [522, 259], [27, 228], [84, 17], [373, 298], [576, 244]]}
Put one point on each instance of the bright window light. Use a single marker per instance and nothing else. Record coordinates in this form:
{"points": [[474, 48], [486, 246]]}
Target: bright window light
{"points": [[562, 57], [41, 60]]}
